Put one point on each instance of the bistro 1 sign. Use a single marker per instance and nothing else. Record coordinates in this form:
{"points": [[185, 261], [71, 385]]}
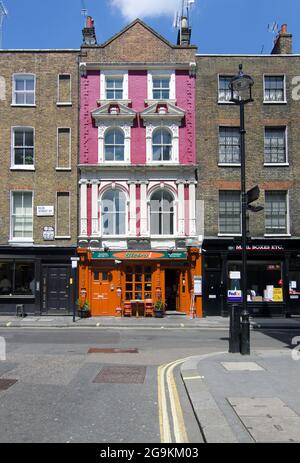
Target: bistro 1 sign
{"points": [[261, 247], [139, 255]]}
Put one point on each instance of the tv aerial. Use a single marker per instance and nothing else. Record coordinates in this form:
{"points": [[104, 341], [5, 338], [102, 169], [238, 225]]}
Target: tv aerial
{"points": [[3, 15]]}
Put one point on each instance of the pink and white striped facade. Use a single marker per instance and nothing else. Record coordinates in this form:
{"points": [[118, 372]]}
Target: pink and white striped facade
{"points": [[137, 114]]}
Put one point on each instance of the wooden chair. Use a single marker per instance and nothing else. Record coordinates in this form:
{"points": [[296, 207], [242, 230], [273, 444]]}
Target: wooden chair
{"points": [[134, 308], [127, 311], [149, 307]]}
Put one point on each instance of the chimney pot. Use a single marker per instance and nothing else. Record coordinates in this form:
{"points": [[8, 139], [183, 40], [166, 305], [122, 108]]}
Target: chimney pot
{"points": [[283, 43], [89, 22], [284, 29]]}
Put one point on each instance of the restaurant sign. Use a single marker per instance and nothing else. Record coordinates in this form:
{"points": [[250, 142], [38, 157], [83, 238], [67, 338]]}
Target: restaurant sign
{"points": [[139, 255]]}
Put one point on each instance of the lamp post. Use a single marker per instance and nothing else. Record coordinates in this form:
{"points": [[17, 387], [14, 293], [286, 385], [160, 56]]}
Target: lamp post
{"points": [[241, 94]]}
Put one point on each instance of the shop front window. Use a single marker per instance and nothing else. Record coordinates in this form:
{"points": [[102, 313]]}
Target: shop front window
{"points": [[264, 282], [138, 283], [17, 278]]}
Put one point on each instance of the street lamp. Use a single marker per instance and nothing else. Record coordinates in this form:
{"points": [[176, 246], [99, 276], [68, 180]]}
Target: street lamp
{"points": [[241, 94]]}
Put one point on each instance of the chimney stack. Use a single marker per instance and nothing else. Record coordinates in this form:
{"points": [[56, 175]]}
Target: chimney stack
{"points": [[184, 33], [89, 33], [283, 42]]}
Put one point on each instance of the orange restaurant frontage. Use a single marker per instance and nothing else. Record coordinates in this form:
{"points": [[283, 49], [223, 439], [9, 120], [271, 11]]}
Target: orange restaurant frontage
{"points": [[107, 280]]}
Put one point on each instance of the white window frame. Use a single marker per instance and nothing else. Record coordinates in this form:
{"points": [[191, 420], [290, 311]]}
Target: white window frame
{"points": [[219, 76], [174, 130], [162, 74], [63, 103], [288, 225], [69, 167], [14, 166], [284, 101], [228, 234], [102, 129], [62, 237], [100, 205], [278, 164], [111, 74], [227, 164], [175, 216], [25, 75], [23, 239]]}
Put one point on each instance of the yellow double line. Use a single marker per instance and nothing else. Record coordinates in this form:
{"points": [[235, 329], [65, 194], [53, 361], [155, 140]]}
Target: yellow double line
{"points": [[166, 377]]}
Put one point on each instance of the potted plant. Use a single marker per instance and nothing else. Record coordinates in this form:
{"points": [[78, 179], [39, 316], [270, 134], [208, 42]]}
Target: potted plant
{"points": [[159, 308], [84, 310]]}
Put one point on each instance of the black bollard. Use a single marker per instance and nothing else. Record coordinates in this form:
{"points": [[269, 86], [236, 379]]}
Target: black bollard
{"points": [[245, 334], [234, 333]]}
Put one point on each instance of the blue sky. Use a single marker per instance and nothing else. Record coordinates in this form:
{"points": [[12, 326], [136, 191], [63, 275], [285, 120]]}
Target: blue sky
{"points": [[219, 26]]}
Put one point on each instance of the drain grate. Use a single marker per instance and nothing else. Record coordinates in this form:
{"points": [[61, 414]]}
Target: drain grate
{"points": [[95, 350], [121, 375], [7, 383]]}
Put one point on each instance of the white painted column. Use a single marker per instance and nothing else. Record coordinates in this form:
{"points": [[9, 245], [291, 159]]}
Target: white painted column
{"points": [[192, 209], [144, 210], [83, 207], [132, 208], [181, 214], [95, 208]]}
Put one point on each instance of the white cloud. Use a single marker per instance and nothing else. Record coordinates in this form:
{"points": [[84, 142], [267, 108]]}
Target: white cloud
{"points": [[132, 9]]}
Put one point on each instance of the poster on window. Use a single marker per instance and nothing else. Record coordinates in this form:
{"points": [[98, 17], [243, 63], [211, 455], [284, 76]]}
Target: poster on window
{"points": [[234, 295]]}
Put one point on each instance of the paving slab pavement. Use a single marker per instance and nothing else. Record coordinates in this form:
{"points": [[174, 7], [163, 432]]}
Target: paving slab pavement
{"points": [[170, 321], [255, 400]]}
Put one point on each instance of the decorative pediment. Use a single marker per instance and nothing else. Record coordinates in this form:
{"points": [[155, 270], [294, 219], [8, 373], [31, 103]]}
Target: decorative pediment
{"points": [[113, 110], [163, 110]]}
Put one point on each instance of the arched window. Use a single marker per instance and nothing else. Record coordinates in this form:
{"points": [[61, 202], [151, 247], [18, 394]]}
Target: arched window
{"points": [[113, 213], [161, 145], [114, 145], [162, 213]]}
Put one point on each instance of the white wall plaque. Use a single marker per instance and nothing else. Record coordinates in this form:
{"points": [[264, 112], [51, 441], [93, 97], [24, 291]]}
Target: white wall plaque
{"points": [[45, 211]]}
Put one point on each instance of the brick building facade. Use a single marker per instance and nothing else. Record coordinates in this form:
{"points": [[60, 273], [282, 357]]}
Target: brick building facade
{"points": [[38, 176], [272, 163]]}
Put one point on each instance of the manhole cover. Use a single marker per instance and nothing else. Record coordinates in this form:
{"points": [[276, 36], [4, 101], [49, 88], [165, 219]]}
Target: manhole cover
{"points": [[121, 375], [95, 350], [7, 383]]}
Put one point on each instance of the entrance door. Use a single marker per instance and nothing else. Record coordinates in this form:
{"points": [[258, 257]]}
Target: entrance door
{"points": [[102, 302], [212, 293], [58, 289], [171, 289]]}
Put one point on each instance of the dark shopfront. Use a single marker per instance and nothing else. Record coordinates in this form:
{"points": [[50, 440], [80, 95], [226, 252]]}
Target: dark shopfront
{"points": [[37, 278], [273, 268]]}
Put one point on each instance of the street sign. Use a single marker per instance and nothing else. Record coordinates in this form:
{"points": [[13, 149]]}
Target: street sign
{"points": [[253, 194]]}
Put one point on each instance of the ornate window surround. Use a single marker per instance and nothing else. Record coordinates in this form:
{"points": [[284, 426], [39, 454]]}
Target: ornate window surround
{"points": [[173, 129], [103, 127], [170, 189], [113, 186]]}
